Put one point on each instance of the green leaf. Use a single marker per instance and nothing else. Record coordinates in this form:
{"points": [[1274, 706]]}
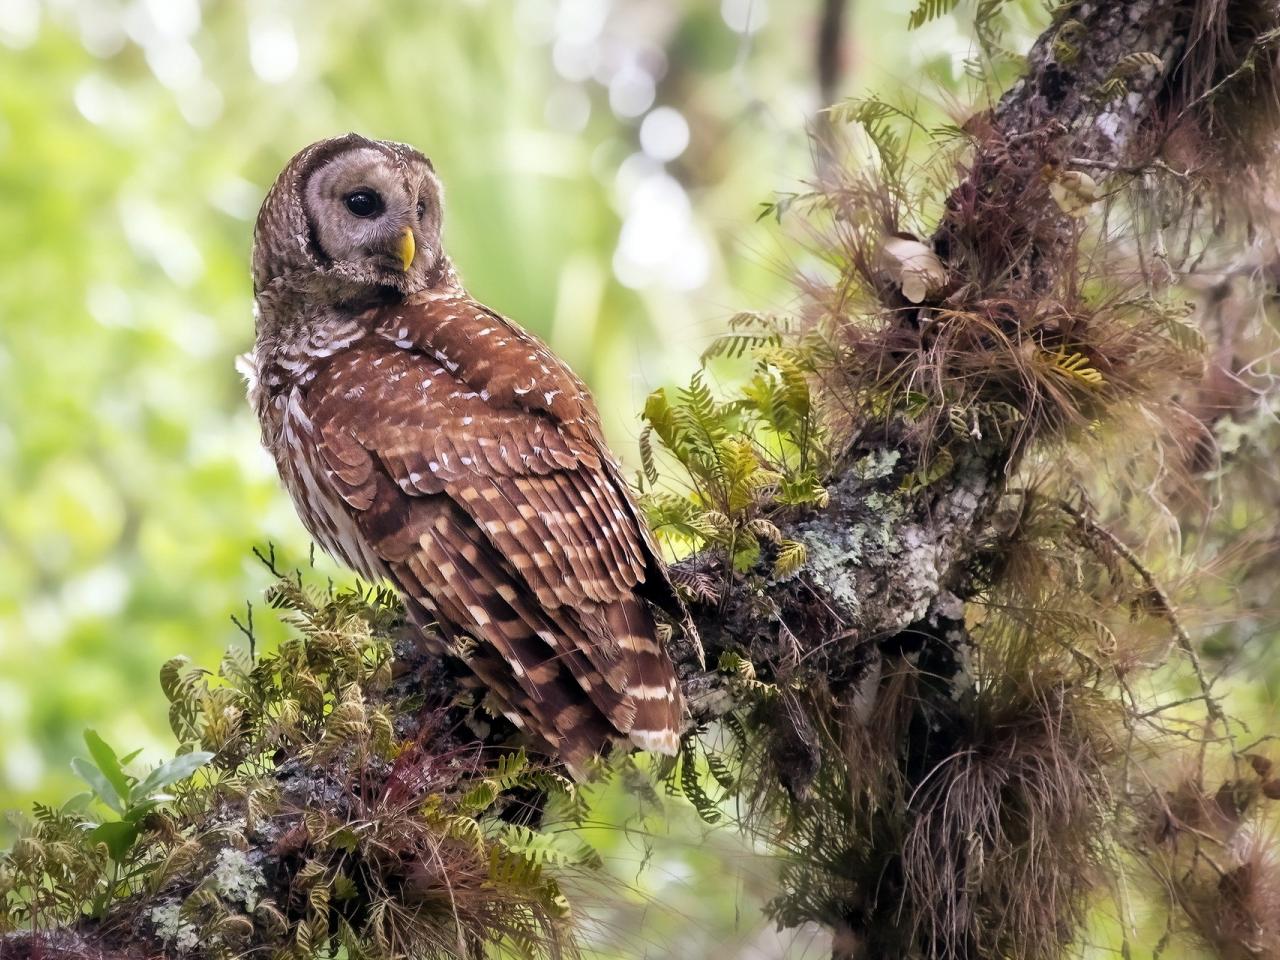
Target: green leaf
{"points": [[139, 810], [171, 677], [77, 804], [478, 798], [930, 472], [344, 888], [647, 462], [99, 783], [1185, 335], [171, 771], [1135, 63], [746, 552], [346, 840], [118, 835], [106, 760]]}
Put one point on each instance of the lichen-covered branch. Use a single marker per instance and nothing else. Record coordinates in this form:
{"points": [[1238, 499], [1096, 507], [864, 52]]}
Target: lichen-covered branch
{"points": [[877, 559]]}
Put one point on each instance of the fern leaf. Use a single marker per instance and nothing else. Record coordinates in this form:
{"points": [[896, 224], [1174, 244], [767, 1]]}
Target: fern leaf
{"points": [[875, 117], [746, 551], [544, 849], [792, 555], [1185, 335], [237, 666], [1135, 63], [1074, 366], [478, 799], [764, 529], [931, 472], [647, 462], [691, 785], [510, 769], [803, 490], [720, 771], [928, 10]]}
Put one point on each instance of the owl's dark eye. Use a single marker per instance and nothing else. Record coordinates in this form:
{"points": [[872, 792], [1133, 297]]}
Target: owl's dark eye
{"points": [[363, 203], [422, 209]]}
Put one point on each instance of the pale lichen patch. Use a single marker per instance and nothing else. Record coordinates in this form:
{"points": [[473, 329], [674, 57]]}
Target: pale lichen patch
{"points": [[172, 929], [237, 879]]}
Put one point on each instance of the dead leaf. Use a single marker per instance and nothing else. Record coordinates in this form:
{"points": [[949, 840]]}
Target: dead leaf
{"points": [[1074, 192], [914, 266]]}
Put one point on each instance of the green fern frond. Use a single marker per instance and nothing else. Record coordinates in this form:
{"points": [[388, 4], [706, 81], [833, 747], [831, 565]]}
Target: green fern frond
{"points": [[1133, 64], [648, 463], [748, 332], [743, 672], [877, 119], [685, 780], [929, 472], [804, 489], [545, 849], [792, 555], [764, 530], [928, 10], [510, 771]]}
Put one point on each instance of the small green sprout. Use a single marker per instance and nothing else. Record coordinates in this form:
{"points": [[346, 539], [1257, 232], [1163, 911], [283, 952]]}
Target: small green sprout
{"points": [[128, 796]]}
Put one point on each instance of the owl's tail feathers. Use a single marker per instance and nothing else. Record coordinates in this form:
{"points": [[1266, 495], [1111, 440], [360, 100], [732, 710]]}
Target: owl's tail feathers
{"points": [[650, 682]]}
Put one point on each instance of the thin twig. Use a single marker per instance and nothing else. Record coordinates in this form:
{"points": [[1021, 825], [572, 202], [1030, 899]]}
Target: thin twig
{"points": [[268, 560], [247, 629], [1162, 603], [1134, 171]]}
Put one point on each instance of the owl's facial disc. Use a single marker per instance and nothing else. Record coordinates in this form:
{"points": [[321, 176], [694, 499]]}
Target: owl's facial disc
{"points": [[375, 218]]}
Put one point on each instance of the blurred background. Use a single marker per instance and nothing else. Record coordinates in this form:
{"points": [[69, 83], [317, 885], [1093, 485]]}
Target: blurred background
{"points": [[605, 163]]}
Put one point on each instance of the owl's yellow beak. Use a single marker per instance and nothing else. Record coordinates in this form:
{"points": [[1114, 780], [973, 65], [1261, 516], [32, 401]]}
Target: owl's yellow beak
{"points": [[407, 247]]}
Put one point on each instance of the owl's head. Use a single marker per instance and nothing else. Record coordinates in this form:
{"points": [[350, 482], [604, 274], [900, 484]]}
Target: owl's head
{"points": [[354, 218]]}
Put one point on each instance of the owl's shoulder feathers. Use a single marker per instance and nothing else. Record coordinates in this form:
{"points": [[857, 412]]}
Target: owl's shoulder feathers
{"points": [[507, 365]]}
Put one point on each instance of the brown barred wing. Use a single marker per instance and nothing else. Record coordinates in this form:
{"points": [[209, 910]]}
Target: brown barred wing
{"points": [[512, 531]]}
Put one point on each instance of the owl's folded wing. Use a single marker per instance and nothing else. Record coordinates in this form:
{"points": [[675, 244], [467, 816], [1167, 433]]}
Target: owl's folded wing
{"points": [[543, 497], [507, 525], [510, 370]]}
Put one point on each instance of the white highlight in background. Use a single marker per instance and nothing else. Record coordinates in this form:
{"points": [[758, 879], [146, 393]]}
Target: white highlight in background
{"points": [[744, 16], [659, 245], [664, 134], [273, 48]]}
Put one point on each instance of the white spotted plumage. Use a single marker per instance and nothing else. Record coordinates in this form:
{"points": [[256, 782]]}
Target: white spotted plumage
{"points": [[430, 441]]}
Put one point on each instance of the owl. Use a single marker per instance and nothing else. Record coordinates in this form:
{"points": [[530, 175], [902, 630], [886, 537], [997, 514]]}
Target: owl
{"points": [[429, 441]]}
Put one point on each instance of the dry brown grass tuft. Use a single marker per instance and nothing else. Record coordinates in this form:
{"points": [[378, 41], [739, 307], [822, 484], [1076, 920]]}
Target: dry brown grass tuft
{"points": [[1210, 856], [1006, 834], [1028, 323], [1225, 103]]}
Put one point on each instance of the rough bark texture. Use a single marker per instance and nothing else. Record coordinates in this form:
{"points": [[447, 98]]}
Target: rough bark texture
{"points": [[887, 577], [872, 587]]}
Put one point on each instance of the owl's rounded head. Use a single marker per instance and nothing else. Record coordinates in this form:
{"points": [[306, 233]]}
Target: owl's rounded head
{"points": [[350, 218]]}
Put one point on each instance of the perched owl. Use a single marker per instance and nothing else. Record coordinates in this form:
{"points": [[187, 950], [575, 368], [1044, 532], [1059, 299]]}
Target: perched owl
{"points": [[428, 440]]}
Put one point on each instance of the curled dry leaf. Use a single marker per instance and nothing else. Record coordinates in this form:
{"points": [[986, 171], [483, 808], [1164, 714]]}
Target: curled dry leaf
{"points": [[1074, 191], [1134, 63], [914, 266]]}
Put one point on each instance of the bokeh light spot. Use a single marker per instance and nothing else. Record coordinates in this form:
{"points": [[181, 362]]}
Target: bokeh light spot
{"points": [[664, 133]]}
